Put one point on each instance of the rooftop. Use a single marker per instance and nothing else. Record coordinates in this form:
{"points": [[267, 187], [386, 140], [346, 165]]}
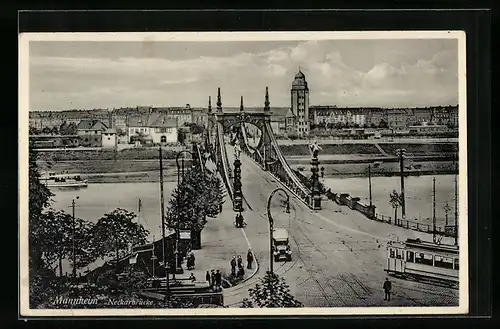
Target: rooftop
{"points": [[152, 120]]}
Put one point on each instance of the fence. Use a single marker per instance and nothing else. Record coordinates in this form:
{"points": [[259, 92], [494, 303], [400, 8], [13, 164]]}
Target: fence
{"points": [[369, 211]]}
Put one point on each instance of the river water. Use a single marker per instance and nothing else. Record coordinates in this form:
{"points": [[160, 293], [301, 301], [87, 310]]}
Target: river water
{"points": [[98, 199]]}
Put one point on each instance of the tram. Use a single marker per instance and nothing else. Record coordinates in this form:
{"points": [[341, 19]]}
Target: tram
{"points": [[420, 260]]}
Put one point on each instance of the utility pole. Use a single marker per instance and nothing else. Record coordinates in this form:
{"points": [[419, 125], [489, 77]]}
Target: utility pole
{"points": [[370, 183], [456, 204], [162, 205], [153, 257], [401, 168], [434, 209]]}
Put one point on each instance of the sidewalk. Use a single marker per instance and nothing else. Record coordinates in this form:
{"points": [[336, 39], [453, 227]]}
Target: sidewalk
{"points": [[220, 240]]}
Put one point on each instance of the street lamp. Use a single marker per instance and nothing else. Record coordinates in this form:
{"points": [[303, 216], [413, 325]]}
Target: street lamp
{"points": [[177, 265], [271, 222]]}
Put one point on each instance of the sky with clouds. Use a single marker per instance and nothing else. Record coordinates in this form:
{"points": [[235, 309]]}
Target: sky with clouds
{"points": [[386, 73]]}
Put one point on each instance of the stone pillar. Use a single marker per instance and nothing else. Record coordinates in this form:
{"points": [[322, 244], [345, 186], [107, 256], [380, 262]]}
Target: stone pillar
{"points": [[315, 189]]}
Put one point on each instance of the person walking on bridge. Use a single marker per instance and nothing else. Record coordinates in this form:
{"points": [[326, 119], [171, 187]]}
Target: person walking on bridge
{"points": [[249, 259], [233, 266], [387, 289]]}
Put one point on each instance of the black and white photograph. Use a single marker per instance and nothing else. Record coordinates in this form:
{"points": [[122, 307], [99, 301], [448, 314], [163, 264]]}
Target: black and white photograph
{"points": [[243, 173]]}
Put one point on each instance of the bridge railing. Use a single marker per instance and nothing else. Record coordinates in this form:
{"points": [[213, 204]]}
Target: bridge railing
{"points": [[250, 149], [223, 160], [293, 182]]}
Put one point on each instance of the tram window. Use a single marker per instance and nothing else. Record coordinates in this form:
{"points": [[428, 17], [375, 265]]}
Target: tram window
{"points": [[399, 253], [425, 259], [443, 262], [409, 256], [391, 252], [456, 263]]}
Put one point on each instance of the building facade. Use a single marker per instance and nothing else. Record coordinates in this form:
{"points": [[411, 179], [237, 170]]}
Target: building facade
{"points": [[109, 139], [91, 127], [156, 128], [299, 106]]}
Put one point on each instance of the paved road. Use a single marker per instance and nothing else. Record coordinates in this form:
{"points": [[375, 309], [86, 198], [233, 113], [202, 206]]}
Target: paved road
{"points": [[338, 255]]}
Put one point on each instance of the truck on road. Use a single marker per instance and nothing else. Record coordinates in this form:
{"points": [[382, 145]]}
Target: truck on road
{"points": [[281, 246]]}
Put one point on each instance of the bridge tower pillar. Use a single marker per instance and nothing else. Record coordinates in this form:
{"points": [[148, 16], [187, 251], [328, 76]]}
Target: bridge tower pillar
{"points": [[265, 134], [315, 188], [238, 194]]}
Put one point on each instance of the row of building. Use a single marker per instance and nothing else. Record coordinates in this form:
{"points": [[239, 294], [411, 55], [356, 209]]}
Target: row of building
{"points": [[299, 118]]}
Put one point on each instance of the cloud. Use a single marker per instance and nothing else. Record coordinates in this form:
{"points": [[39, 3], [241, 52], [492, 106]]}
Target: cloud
{"points": [[343, 73]]}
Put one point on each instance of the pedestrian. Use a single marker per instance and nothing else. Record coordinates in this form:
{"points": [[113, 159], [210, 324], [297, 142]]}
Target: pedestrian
{"points": [[249, 259], [233, 266], [241, 270], [218, 280], [240, 261], [212, 276], [192, 260], [192, 277], [207, 277], [387, 289]]}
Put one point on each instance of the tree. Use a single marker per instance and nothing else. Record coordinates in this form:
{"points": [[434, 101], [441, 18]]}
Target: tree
{"points": [[115, 232], [63, 128], [54, 131], [395, 200], [85, 253], [383, 124], [271, 291], [181, 136], [196, 128], [72, 129], [199, 194], [46, 130], [39, 199], [33, 131], [56, 237]]}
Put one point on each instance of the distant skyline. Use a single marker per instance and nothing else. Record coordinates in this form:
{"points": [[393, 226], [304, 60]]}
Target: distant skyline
{"points": [[381, 73]]}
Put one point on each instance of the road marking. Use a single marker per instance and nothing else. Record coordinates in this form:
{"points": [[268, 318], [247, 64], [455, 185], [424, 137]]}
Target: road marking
{"points": [[246, 238]]}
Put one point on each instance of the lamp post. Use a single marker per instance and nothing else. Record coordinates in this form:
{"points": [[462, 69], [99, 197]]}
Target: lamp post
{"points": [[162, 201], [271, 222], [74, 229], [180, 170], [401, 154]]}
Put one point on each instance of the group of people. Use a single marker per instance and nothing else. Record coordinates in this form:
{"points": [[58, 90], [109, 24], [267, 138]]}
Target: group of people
{"points": [[214, 279], [190, 261], [237, 261], [239, 221]]}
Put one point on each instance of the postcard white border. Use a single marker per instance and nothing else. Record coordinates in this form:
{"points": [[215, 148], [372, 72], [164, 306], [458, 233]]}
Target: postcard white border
{"points": [[24, 40]]}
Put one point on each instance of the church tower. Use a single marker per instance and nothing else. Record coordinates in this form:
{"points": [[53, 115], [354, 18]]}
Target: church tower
{"points": [[300, 104]]}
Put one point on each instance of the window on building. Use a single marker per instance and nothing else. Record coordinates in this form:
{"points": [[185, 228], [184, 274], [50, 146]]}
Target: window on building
{"points": [[455, 261], [425, 259], [410, 256], [443, 262]]}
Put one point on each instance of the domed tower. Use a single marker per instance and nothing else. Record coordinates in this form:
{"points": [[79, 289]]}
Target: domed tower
{"points": [[300, 104]]}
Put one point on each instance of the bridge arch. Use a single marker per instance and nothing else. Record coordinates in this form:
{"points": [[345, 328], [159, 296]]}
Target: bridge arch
{"points": [[267, 153]]}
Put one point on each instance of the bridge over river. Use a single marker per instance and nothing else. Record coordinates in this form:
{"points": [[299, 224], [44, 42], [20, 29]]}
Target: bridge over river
{"points": [[338, 257]]}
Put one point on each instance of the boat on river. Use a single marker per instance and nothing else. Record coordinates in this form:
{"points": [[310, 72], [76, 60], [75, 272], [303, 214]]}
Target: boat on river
{"points": [[64, 180]]}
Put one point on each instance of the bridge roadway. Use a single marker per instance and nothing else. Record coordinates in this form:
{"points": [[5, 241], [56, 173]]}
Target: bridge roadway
{"points": [[338, 255]]}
